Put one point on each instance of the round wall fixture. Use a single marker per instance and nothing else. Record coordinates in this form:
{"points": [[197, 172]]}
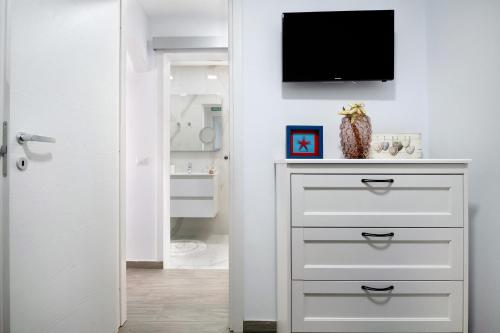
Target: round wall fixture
{"points": [[207, 135]]}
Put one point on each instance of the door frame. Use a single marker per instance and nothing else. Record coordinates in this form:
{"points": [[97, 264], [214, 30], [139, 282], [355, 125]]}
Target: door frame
{"points": [[236, 228], [122, 250], [4, 215], [236, 215]]}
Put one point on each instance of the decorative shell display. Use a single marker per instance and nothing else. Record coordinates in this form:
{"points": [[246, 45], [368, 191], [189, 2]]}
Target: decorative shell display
{"points": [[396, 146], [356, 132]]}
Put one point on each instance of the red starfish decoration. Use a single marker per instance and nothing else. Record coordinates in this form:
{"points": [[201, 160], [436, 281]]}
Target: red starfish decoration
{"points": [[303, 143]]}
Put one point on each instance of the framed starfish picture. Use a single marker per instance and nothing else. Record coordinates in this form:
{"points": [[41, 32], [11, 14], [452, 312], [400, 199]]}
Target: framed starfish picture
{"points": [[304, 142]]}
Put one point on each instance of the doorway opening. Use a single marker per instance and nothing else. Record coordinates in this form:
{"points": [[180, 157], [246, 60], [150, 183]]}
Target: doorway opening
{"points": [[176, 137], [199, 165]]}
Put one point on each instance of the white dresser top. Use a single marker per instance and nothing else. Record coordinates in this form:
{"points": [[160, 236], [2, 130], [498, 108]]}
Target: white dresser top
{"points": [[372, 161]]}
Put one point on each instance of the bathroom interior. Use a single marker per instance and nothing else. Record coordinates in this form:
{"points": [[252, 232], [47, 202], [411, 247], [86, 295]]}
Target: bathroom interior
{"points": [[199, 162], [177, 165]]}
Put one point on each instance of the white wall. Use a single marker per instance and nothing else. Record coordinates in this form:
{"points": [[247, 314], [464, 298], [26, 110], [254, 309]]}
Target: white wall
{"points": [[144, 234], [269, 105], [193, 80], [185, 26], [187, 18], [464, 114], [137, 36]]}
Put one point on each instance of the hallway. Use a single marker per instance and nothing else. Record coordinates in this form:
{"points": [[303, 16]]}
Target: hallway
{"points": [[177, 301]]}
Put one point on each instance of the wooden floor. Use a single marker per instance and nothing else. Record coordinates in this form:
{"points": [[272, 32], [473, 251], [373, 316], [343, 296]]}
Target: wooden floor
{"points": [[177, 301]]}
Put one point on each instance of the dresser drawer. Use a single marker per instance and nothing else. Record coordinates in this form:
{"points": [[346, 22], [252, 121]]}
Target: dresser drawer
{"points": [[321, 306], [377, 200], [353, 254]]}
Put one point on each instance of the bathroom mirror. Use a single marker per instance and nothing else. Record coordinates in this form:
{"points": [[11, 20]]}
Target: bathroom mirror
{"points": [[196, 122]]}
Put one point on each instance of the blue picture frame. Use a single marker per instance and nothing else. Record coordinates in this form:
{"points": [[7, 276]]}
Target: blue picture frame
{"points": [[304, 142]]}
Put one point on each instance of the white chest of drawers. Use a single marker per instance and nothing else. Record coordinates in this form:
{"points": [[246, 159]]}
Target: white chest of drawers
{"points": [[372, 246]]}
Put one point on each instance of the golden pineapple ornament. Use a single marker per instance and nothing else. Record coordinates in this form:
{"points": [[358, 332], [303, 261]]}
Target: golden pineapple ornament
{"points": [[355, 131]]}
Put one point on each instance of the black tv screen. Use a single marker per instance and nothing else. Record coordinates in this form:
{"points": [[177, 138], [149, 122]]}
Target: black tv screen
{"points": [[338, 46]]}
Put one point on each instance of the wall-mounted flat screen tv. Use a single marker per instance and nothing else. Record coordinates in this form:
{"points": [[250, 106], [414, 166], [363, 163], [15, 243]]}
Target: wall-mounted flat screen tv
{"points": [[338, 46]]}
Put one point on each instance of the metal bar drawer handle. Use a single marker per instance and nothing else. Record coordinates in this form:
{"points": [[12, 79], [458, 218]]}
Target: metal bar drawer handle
{"points": [[364, 180], [25, 137], [366, 288], [367, 234]]}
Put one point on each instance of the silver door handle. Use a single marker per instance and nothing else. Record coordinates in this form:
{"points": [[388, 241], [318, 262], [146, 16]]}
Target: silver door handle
{"points": [[25, 137]]}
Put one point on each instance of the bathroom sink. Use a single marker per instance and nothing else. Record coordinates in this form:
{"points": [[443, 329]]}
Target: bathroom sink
{"points": [[192, 174]]}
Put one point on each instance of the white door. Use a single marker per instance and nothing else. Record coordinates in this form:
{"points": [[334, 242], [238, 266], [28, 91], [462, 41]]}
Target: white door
{"points": [[64, 208]]}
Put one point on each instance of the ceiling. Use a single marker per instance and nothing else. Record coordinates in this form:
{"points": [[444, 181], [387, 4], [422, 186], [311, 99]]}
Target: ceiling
{"points": [[208, 9]]}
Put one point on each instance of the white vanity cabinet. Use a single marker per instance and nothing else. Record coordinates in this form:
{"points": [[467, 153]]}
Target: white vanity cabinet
{"points": [[372, 245], [193, 195]]}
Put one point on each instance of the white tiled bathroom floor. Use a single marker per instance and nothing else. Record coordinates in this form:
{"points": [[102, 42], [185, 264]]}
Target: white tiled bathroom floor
{"points": [[210, 253]]}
